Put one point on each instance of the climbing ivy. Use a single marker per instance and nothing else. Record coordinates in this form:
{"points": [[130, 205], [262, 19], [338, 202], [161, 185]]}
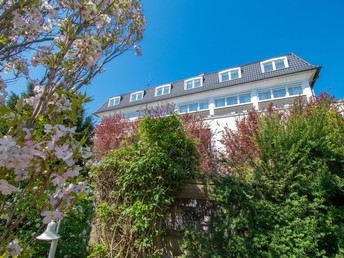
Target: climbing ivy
{"points": [[135, 185]]}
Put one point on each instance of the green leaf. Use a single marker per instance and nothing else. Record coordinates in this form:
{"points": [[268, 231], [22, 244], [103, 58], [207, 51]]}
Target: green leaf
{"points": [[20, 104], [3, 40], [36, 2]]}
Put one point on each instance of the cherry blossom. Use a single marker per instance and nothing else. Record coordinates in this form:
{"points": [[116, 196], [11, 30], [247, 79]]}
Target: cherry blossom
{"points": [[13, 248], [51, 215], [58, 46], [6, 188]]}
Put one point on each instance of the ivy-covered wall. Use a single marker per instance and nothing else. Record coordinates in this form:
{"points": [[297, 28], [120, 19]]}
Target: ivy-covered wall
{"points": [[136, 184]]}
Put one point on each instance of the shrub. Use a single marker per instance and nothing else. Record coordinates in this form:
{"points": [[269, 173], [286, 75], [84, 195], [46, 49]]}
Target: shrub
{"points": [[287, 198]]}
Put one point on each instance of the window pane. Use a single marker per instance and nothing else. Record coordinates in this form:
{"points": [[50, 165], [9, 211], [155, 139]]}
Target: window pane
{"points": [[232, 100], [264, 95], [111, 102], [134, 115], [295, 90], [183, 109], [193, 107], [189, 85], [224, 77], [220, 102], [268, 67], [139, 96], [197, 83], [235, 74], [279, 93], [159, 91], [167, 90], [203, 105], [279, 64], [133, 97], [245, 98]]}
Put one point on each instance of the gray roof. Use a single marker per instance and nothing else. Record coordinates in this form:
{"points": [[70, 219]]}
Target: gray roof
{"points": [[249, 73]]}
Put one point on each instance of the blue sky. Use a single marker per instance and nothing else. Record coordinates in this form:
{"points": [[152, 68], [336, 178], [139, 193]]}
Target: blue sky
{"points": [[184, 38]]}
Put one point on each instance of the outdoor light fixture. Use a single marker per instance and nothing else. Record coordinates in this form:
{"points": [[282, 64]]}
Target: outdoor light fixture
{"points": [[50, 234]]}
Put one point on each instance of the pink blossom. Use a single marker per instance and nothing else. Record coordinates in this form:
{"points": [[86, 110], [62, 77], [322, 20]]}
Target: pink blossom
{"points": [[21, 175], [38, 89], [51, 215], [29, 143], [63, 152], [72, 172], [6, 188], [6, 143], [58, 180], [13, 248], [47, 128], [27, 132]]}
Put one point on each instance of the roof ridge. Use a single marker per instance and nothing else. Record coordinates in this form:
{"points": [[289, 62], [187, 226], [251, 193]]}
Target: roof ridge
{"points": [[247, 64], [303, 60]]}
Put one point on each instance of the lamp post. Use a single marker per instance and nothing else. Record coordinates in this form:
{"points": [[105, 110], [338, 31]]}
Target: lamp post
{"points": [[50, 234]]}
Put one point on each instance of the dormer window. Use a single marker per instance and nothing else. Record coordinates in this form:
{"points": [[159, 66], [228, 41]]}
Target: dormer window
{"points": [[230, 74], [114, 101], [274, 64], [163, 90], [193, 83], [136, 96]]}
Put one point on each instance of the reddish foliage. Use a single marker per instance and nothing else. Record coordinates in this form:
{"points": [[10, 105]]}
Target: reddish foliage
{"points": [[239, 144], [198, 130], [111, 131]]}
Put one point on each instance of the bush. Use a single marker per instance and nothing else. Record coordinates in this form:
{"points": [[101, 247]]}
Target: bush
{"points": [[135, 186], [287, 198]]}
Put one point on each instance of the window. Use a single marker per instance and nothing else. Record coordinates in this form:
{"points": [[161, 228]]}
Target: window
{"points": [[163, 90], [263, 95], [183, 109], [279, 93], [194, 107], [230, 74], [193, 83], [114, 101], [295, 90], [220, 102], [203, 105], [245, 98], [136, 96], [233, 100], [274, 64], [133, 115]]}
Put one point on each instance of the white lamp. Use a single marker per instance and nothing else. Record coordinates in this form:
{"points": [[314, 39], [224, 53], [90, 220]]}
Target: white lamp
{"points": [[50, 234]]}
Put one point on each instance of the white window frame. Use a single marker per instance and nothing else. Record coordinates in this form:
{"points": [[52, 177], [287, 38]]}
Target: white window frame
{"points": [[115, 100], [286, 88], [237, 96], [229, 71], [198, 106], [136, 93], [162, 87], [273, 62], [193, 82]]}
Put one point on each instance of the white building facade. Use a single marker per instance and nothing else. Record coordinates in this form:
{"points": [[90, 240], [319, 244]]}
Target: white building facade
{"points": [[224, 96]]}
